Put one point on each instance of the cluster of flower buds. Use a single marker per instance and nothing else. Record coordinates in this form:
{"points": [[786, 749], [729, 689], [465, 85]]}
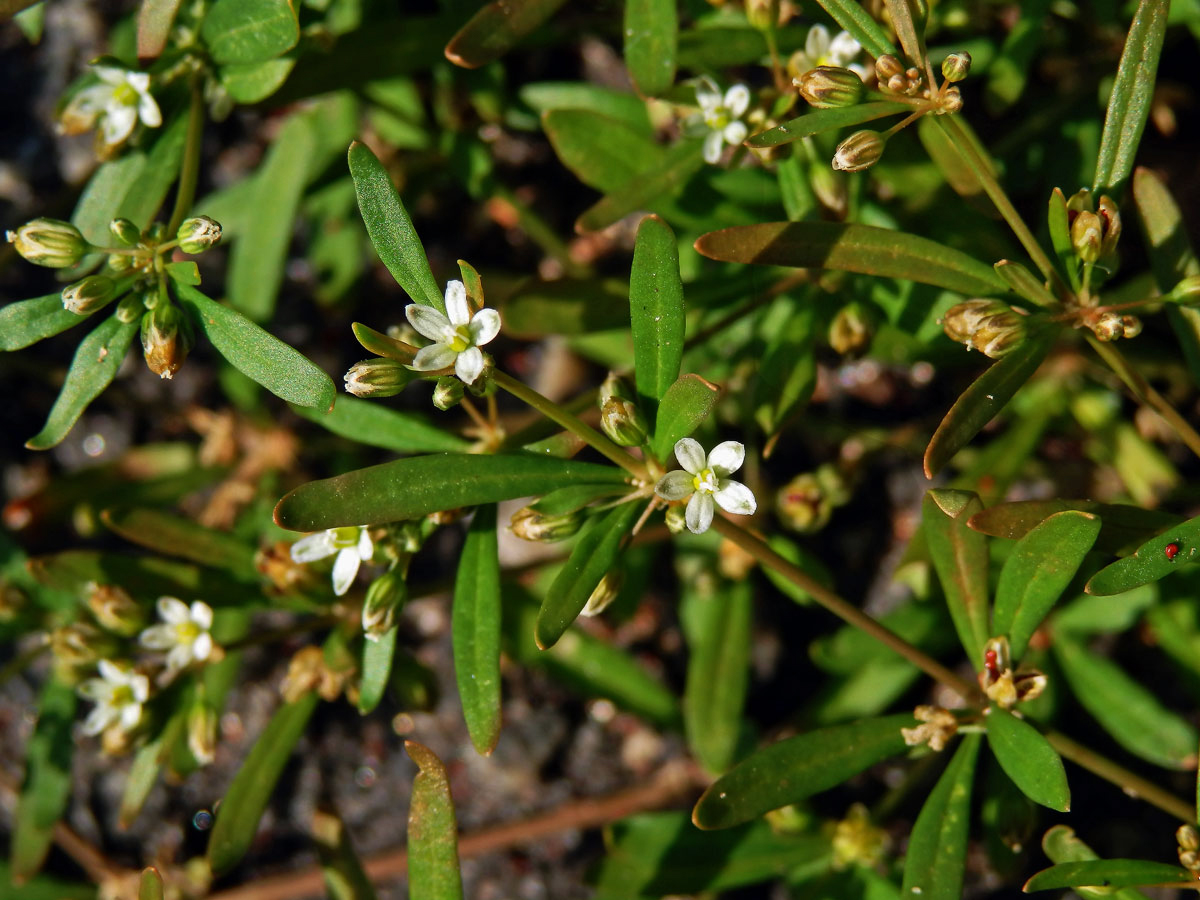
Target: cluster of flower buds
{"points": [[937, 727], [895, 78], [806, 503], [856, 841], [1111, 326], [1188, 838], [990, 326], [1003, 686], [1095, 227], [830, 87]]}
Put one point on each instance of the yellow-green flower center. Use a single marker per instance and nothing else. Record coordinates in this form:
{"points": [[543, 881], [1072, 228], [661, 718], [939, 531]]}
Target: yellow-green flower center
{"points": [[717, 118], [124, 94], [705, 482], [122, 695], [186, 632], [346, 536], [462, 339]]}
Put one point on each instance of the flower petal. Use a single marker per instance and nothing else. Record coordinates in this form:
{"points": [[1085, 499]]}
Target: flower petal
{"points": [[713, 142], [485, 325], [345, 567], [173, 611], [148, 111], [112, 75], [118, 124], [737, 99], [429, 323], [469, 364], [98, 719], [734, 133], [158, 637], [202, 614], [365, 548], [457, 308], [433, 357], [843, 48], [140, 685], [202, 647], [95, 689], [726, 458], [131, 714], [139, 81], [699, 514], [179, 658], [708, 95], [313, 547], [735, 497], [690, 455], [675, 485], [816, 45], [112, 673]]}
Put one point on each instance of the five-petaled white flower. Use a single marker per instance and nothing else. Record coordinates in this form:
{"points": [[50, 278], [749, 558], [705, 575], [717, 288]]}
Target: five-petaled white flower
{"points": [[118, 693], [722, 115], [351, 543], [119, 101], [706, 480], [457, 336], [821, 50], [184, 634]]}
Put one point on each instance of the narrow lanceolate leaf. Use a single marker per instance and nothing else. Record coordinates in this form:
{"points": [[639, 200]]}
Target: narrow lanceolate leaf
{"points": [[960, 557], [820, 120], [415, 487], [344, 876], [655, 312], [150, 886], [910, 29], [432, 834], [594, 554], [1129, 712], [1028, 759], [370, 422], [1058, 221], [1021, 280], [986, 396], [1038, 571], [377, 659], [718, 674], [154, 26], [96, 361], [851, 16], [684, 406], [282, 370], [937, 850], [258, 257], [1129, 103], [1121, 524], [1107, 873], [798, 767], [246, 31], [1157, 558], [244, 802], [176, 536], [651, 32], [494, 30], [852, 248], [476, 630], [390, 228], [677, 166], [26, 322], [47, 785]]}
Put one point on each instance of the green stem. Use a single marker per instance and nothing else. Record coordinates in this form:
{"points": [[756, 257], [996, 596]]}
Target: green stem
{"points": [[189, 171], [585, 432], [1145, 392]]}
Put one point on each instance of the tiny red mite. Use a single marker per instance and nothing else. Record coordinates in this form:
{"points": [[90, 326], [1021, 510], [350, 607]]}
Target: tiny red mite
{"points": [[1172, 550]]}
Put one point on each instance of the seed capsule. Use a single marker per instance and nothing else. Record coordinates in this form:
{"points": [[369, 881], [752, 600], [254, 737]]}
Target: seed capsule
{"points": [[859, 151]]}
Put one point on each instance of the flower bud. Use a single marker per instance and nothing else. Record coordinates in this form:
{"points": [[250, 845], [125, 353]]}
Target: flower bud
{"points": [[12, 600], [166, 339], [1108, 327], [198, 234], [530, 525], [888, 67], [448, 393], [378, 378], [623, 422], [126, 233], [49, 242], [831, 191], [1087, 232], [80, 644], [1131, 326], [86, 296], [956, 66], [613, 386], [115, 610], [1186, 291], [605, 593], [1188, 837], [202, 732], [990, 326], [803, 505], [850, 331], [828, 87], [762, 14], [951, 102], [676, 518], [386, 595], [130, 309], [859, 151], [1110, 218]]}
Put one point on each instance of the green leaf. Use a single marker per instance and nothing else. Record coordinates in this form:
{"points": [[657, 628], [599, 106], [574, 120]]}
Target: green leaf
{"points": [[246, 799], [1028, 759], [475, 624], [1107, 873], [595, 553], [176, 536], [1157, 558], [1129, 712], [851, 16], [411, 488], [851, 248], [96, 362], [623, 106], [1129, 103], [340, 866], [376, 669], [787, 375], [960, 557], [276, 366], [258, 257], [390, 228], [249, 83], [937, 849], [678, 165], [1058, 221], [184, 272], [1038, 571], [1021, 280], [536, 309], [684, 406], [150, 886], [46, 789], [655, 311], [246, 31], [496, 28], [606, 164], [651, 32], [570, 499], [910, 34], [26, 322], [1009, 71], [1086, 614], [987, 395], [821, 120], [154, 26], [432, 834], [146, 763], [1120, 524], [376, 425], [798, 767], [718, 673]]}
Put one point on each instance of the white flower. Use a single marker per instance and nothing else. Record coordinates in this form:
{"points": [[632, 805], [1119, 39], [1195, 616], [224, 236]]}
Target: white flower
{"points": [[705, 480], [183, 634], [820, 50], [352, 544], [457, 336], [119, 101], [118, 693], [721, 115]]}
